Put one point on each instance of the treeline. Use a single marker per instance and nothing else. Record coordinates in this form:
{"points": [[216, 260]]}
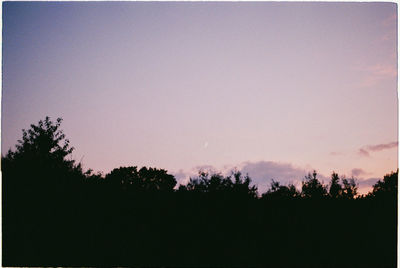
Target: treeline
{"points": [[57, 214]]}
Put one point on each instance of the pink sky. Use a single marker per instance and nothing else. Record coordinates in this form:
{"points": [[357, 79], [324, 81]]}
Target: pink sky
{"points": [[275, 89]]}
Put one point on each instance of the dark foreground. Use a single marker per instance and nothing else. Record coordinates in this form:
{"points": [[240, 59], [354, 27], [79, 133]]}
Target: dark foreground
{"points": [[97, 229]]}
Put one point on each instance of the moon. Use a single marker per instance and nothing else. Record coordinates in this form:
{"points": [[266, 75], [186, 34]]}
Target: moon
{"points": [[206, 145]]}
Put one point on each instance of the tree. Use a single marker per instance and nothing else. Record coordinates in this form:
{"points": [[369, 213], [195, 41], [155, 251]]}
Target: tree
{"points": [[241, 185], [124, 177], [386, 188], [312, 187], [349, 188], [41, 157], [42, 186], [281, 191], [216, 183], [154, 179], [335, 189], [146, 179]]}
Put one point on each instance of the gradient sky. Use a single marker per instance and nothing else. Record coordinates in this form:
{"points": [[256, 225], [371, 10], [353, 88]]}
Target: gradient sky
{"points": [[273, 89]]}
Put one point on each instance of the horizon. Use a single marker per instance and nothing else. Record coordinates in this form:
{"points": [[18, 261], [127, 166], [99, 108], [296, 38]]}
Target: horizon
{"points": [[275, 90]]}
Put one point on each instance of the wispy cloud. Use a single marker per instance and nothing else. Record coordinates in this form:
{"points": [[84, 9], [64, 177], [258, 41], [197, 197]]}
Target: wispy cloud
{"points": [[377, 73], [363, 152], [383, 70], [357, 172], [367, 182], [380, 147], [366, 150]]}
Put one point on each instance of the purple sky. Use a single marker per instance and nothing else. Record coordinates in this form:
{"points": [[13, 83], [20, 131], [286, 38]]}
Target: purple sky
{"points": [[273, 89]]}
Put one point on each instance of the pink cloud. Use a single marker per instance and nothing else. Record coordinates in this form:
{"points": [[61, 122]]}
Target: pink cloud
{"points": [[377, 73], [380, 147], [366, 150], [363, 152], [357, 172]]}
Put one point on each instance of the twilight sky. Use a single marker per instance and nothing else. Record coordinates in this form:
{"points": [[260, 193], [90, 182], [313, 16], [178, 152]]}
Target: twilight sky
{"points": [[273, 89]]}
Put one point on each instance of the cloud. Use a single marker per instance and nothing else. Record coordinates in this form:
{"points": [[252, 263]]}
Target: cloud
{"points": [[365, 185], [183, 176], [366, 150], [261, 173], [357, 172], [389, 30], [335, 153], [384, 70], [367, 182], [363, 152], [380, 147], [377, 73]]}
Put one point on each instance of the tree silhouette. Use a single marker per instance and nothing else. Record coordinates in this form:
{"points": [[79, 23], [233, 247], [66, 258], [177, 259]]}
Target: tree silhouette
{"points": [[216, 183], [350, 188], [387, 187], [278, 191], [335, 189], [312, 187], [146, 179], [39, 181], [41, 155]]}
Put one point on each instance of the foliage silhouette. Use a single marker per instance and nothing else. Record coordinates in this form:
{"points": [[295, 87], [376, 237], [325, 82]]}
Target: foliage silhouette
{"points": [[350, 188], [278, 191], [312, 187], [335, 189], [387, 188], [56, 214]]}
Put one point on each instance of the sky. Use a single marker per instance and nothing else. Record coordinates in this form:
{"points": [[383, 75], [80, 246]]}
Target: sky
{"points": [[272, 89]]}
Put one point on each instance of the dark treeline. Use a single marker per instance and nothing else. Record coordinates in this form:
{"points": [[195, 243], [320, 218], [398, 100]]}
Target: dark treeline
{"points": [[57, 214]]}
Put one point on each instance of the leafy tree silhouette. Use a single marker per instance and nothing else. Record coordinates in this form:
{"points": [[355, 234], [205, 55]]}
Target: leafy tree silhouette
{"points": [[278, 191], [216, 183], [312, 187], [350, 188], [335, 189], [153, 179], [41, 155], [124, 177], [241, 185], [146, 179], [386, 188], [38, 181]]}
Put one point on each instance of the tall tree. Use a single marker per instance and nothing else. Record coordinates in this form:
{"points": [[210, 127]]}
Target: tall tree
{"points": [[335, 189], [41, 157]]}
